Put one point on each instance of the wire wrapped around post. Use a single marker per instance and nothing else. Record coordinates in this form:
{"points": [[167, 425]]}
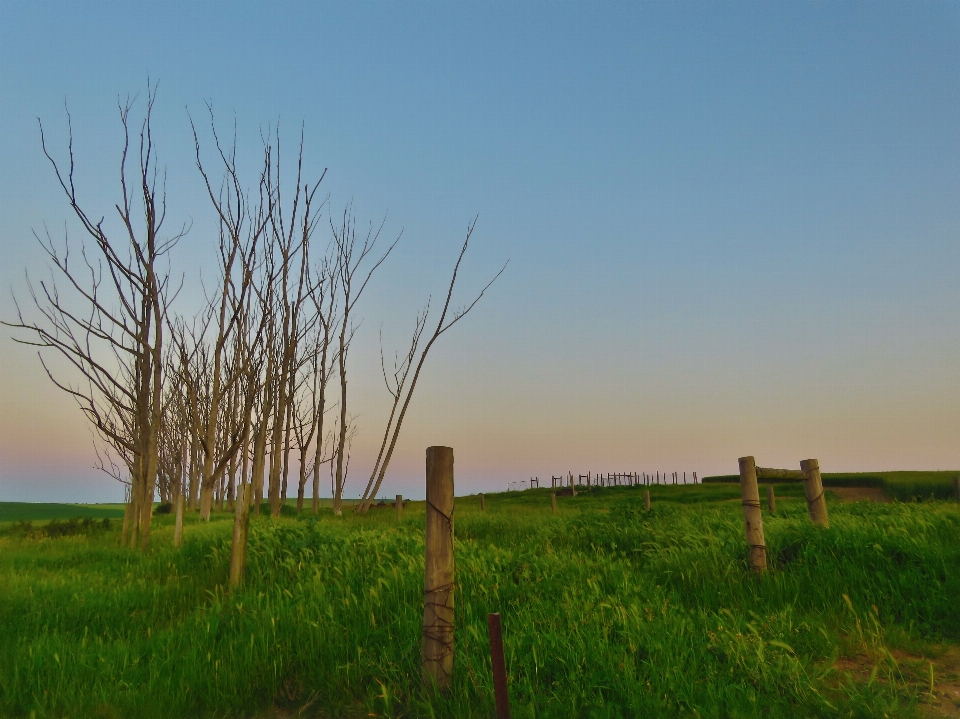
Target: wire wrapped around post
{"points": [[756, 546], [438, 575]]}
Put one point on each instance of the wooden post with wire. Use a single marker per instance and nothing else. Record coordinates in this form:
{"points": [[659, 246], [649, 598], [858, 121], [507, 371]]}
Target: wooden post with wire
{"points": [[753, 520], [438, 575], [499, 666], [813, 489]]}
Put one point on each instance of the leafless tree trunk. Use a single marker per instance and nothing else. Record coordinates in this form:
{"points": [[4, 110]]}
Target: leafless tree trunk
{"points": [[324, 300], [291, 237], [349, 260], [108, 327], [401, 369], [266, 397], [241, 228], [380, 469]]}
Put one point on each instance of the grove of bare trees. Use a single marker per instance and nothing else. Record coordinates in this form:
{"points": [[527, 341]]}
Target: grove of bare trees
{"points": [[216, 408]]}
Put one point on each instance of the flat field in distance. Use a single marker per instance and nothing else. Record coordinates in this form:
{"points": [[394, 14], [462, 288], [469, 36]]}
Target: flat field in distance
{"points": [[30, 511], [903, 486], [607, 610]]}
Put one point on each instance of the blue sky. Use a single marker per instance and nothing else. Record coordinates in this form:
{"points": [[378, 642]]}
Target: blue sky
{"points": [[733, 228]]}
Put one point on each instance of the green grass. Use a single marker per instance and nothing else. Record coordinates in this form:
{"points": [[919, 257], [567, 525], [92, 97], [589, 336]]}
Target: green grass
{"points": [[608, 611], [903, 486]]}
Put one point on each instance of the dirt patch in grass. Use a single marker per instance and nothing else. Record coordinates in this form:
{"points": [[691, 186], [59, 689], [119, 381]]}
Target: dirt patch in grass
{"points": [[944, 701], [938, 693]]}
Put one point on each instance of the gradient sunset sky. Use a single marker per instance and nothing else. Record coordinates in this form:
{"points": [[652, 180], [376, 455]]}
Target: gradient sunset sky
{"points": [[733, 228]]}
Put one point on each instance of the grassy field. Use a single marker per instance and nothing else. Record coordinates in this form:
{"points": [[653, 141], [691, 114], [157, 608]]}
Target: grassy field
{"points": [[29, 511], [608, 611], [903, 486]]}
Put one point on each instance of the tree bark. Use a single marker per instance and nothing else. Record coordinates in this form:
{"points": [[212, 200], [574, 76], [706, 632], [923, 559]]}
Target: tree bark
{"points": [[178, 528], [241, 524]]}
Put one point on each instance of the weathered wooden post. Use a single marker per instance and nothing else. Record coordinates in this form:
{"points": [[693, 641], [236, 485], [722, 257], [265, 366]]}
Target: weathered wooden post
{"points": [[553, 502], [646, 499], [750, 494], [771, 500], [438, 570], [499, 666], [399, 507], [483, 505], [813, 489], [573, 486], [241, 523]]}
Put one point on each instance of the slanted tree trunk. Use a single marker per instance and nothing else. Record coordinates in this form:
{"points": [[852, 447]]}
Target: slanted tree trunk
{"points": [[380, 469]]}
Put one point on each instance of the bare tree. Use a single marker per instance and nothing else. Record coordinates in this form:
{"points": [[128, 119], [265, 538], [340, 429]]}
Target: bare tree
{"points": [[395, 385], [400, 375], [324, 298], [349, 260], [291, 238], [109, 326], [241, 227]]}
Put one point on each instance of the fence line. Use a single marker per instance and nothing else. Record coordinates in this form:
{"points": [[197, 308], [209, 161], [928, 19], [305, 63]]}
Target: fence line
{"points": [[592, 480]]}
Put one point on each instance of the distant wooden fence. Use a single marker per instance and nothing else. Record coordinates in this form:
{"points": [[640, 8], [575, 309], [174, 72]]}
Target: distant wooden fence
{"points": [[607, 479]]}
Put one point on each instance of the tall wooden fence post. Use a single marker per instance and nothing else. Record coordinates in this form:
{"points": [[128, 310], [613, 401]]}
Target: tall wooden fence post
{"points": [[771, 500], [499, 666], [399, 507], [646, 499], [483, 504], [813, 488], [553, 502], [438, 570], [750, 494], [241, 523]]}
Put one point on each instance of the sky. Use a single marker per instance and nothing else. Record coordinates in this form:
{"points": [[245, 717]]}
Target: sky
{"points": [[732, 228]]}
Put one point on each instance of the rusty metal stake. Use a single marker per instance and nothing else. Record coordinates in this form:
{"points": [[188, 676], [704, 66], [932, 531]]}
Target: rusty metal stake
{"points": [[499, 666]]}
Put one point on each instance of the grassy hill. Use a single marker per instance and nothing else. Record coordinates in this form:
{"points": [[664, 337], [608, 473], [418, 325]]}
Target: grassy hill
{"points": [[903, 486], [608, 611]]}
